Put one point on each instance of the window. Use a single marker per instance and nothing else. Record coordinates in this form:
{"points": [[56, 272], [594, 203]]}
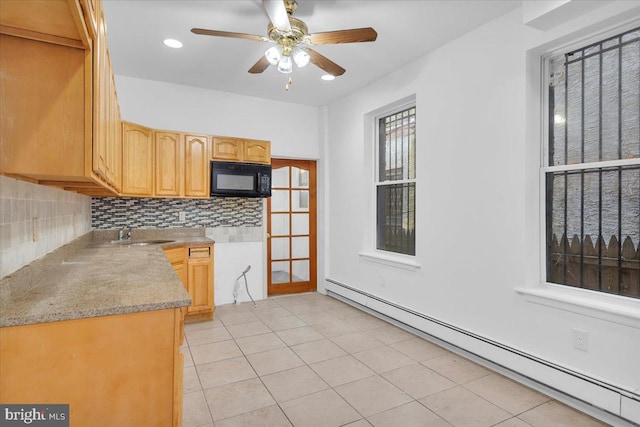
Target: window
{"points": [[592, 167], [396, 182]]}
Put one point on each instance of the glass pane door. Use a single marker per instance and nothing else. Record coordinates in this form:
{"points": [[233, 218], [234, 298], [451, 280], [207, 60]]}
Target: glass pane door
{"points": [[291, 227]]}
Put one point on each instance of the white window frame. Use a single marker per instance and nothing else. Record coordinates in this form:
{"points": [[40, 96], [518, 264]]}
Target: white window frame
{"points": [[370, 252], [601, 305]]}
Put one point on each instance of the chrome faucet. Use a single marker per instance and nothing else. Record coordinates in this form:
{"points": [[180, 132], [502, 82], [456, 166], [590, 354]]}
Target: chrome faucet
{"points": [[124, 233]]}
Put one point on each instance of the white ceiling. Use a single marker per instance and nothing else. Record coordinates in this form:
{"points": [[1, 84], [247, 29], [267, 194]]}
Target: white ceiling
{"points": [[406, 31]]}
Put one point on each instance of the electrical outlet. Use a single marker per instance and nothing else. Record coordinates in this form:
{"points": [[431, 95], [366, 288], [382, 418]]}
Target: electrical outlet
{"points": [[182, 216], [580, 340]]}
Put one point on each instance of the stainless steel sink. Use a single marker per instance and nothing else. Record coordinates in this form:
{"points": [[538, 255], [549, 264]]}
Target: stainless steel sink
{"points": [[140, 242], [150, 242]]}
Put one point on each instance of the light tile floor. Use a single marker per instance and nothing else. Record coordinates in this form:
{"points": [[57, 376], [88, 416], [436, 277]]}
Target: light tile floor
{"points": [[311, 360]]}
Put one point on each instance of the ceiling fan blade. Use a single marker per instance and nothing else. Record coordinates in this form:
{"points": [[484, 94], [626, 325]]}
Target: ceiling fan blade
{"points": [[277, 13], [259, 66], [355, 35], [325, 63], [217, 33]]}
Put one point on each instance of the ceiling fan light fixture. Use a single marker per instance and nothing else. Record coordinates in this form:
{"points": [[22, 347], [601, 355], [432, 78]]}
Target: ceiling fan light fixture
{"points": [[176, 44], [328, 77], [293, 42], [285, 65], [273, 55], [300, 57]]}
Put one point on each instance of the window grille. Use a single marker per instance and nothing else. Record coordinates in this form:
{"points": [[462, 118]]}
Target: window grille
{"points": [[592, 167], [396, 182]]}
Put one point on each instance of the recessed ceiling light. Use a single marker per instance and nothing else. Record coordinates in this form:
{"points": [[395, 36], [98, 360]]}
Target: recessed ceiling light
{"points": [[328, 77], [173, 43]]}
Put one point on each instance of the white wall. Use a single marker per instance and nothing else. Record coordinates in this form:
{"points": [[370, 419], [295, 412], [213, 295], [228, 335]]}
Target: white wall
{"points": [[231, 259], [291, 128], [477, 199]]}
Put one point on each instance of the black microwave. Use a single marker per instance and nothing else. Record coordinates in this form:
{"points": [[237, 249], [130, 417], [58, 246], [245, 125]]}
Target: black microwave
{"points": [[235, 179]]}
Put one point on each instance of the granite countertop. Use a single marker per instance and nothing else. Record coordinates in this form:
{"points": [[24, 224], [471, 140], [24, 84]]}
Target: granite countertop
{"points": [[91, 277]]}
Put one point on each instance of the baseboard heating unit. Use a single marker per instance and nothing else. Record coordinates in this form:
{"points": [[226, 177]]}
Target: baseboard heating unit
{"points": [[606, 402]]}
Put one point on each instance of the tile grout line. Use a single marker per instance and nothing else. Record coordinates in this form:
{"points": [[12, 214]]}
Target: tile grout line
{"points": [[324, 310], [305, 364], [363, 417]]}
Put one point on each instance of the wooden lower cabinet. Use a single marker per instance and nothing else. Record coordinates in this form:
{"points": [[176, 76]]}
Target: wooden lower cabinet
{"points": [[194, 266], [200, 279], [176, 257], [120, 370]]}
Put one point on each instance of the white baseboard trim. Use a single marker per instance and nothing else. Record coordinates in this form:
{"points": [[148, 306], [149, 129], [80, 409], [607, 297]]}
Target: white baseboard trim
{"points": [[599, 399]]}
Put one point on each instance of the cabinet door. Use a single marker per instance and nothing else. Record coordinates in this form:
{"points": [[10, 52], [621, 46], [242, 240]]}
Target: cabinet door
{"points": [[90, 16], [137, 160], [42, 108], [226, 149], [200, 285], [107, 149], [100, 101], [168, 161], [114, 142], [181, 271], [196, 166], [110, 165], [117, 143], [257, 151], [177, 260], [112, 370], [200, 278]]}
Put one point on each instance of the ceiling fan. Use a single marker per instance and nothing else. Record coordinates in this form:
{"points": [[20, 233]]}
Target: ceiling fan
{"points": [[293, 40]]}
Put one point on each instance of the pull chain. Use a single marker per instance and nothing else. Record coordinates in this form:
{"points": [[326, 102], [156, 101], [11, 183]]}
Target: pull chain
{"points": [[286, 87]]}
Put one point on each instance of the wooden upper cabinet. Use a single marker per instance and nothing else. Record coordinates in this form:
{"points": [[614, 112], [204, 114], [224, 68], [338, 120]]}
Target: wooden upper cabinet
{"points": [[43, 128], [91, 9], [226, 149], [240, 150], [54, 21], [168, 162], [60, 122], [179, 163], [116, 140], [107, 143], [196, 166], [137, 160], [100, 114], [257, 151]]}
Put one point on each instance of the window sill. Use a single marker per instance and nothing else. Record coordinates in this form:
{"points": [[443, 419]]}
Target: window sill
{"points": [[390, 260], [613, 308]]}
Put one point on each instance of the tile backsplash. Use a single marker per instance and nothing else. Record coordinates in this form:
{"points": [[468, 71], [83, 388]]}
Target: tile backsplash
{"points": [[111, 212], [35, 220]]}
